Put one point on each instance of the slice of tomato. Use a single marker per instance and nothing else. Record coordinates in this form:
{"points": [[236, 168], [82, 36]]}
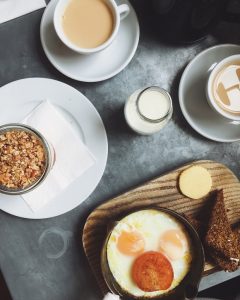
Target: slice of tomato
{"points": [[152, 271]]}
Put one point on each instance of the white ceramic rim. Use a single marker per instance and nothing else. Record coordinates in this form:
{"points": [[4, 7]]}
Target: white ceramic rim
{"points": [[180, 94], [209, 88], [60, 7], [83, 79]]}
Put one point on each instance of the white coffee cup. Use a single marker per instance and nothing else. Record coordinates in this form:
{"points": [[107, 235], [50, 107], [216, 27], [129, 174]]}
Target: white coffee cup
{"points": [[119, 13], [209, 89]]}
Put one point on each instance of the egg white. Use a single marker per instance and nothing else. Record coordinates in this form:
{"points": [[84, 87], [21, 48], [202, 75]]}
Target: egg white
{"points": [[151, 224]]}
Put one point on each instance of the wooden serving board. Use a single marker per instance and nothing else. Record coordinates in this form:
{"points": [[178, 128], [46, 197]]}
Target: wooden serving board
{"points": [[163, 192]]}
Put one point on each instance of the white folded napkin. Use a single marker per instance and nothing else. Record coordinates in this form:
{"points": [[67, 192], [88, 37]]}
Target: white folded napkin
{"points": [[11, 9], [72, 157]]}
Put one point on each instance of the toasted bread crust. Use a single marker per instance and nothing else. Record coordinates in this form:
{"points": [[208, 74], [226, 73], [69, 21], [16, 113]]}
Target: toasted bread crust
{"points": [[223, 243]]}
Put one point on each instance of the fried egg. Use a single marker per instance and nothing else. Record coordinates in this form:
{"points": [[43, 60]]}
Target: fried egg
{"points": [[142, 232]]}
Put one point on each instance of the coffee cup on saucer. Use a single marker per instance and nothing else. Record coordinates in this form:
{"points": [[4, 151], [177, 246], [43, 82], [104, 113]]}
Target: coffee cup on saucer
{"points": [[88, 26], [223, 88]]}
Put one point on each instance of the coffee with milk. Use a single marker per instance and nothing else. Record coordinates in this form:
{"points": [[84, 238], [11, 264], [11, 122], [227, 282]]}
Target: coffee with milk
{"points": [[226, 88]]}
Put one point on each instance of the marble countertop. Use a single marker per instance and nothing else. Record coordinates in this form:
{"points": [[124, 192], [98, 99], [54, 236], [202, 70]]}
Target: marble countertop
{"points": [[25, 257]]}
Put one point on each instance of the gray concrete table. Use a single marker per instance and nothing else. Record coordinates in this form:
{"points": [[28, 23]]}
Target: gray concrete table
{"points": [[30, 271]]}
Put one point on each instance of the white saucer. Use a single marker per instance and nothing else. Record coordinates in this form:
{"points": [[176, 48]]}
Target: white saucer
{"points": [[17, 100], [193, 101], [94, 67]]}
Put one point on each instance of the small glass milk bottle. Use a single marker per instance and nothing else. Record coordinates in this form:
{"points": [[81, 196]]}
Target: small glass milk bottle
{"points": [[147, 111]]}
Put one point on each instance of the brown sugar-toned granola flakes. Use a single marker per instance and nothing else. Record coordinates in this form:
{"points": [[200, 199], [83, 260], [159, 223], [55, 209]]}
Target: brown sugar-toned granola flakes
{"points": [[22, 159]]}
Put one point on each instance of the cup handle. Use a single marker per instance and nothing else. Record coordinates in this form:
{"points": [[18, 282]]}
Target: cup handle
{"points": [[123, 11]]}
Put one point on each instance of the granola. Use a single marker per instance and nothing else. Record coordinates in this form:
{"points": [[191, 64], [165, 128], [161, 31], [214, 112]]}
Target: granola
{"points": [[22, 159]]}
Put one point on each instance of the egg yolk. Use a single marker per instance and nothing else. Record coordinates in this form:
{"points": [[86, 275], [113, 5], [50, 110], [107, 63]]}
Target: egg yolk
{"points": [[172, 243], [131, 243]]}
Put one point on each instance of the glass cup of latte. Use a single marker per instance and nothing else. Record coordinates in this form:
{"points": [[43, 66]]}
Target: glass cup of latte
{"points": [[223, 88]]}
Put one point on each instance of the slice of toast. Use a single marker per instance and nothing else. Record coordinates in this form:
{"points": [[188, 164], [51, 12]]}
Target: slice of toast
{"points": [[223, 262], [223, 244]]}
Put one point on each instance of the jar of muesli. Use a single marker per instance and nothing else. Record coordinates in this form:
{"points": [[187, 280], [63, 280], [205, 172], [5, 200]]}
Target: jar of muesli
{"points": [[26, 158]]}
